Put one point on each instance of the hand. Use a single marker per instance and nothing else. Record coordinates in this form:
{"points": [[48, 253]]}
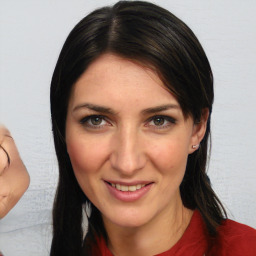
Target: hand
{"points": [[14, 178]]}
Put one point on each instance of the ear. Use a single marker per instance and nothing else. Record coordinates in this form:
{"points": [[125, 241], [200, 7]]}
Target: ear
{"points": [[198, 132]]}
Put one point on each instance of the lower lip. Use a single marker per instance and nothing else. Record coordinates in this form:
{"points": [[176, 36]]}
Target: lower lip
{"points": [[128, 196]]}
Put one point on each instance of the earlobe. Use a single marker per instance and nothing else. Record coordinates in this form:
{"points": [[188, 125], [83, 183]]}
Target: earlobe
{"points": [[199, 130], [196, 146]]}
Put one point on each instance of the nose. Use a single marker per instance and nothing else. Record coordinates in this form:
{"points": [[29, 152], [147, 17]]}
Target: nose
{"points": [[127, 155]]}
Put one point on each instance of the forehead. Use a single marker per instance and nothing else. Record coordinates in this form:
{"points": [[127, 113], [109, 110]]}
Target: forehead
{"points": [[113, 80]]}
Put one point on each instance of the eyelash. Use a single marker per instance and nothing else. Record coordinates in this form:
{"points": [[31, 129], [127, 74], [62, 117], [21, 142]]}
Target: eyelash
{"points": [[85, 121], [168, 121]]}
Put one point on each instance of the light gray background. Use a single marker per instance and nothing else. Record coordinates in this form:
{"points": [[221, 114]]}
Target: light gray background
{"points": [[32, 33]]}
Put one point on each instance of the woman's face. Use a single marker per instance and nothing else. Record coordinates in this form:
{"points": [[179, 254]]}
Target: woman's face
{"points": [[128, 141]]}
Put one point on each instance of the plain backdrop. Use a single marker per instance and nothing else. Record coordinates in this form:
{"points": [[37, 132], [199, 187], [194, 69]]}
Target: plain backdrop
{"points": [[32, 33]]}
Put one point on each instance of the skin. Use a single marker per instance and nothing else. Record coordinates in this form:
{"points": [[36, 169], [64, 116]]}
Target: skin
{"points": [[131, 142], [14, 178]]}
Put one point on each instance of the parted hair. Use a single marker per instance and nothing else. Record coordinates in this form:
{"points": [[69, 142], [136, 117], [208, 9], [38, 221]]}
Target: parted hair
{"points": [[151, 35]]}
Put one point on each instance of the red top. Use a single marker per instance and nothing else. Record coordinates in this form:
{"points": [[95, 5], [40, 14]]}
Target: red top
{"points": [[234, 239]]}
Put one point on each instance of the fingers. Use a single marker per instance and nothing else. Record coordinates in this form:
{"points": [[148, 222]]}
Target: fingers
{"points": [[4, 155], [4, 159], [9, 154], [4, 132], [14, 178]]}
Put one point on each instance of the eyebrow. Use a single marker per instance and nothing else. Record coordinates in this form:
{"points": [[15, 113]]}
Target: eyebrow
{"points": [[94, 107], [160, 108], [106, 110]]}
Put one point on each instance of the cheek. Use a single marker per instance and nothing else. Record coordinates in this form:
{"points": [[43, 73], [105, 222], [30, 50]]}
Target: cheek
{"points": [[170, 156], [86, 157], [170, 161]]}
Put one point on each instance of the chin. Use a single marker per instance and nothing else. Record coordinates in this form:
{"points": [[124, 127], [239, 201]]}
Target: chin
{"points": [[130, 219]]}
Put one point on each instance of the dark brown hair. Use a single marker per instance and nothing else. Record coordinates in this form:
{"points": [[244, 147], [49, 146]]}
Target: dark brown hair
{"points": [[151, 35]]}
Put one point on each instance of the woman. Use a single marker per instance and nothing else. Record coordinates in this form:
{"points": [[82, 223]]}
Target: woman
{"points": [[131, 102]]}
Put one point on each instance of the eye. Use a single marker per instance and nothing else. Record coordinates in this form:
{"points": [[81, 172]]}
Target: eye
{"points": [[94, 121], [161, 122]]}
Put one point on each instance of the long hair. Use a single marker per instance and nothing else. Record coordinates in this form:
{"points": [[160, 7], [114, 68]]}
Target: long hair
{"points": [[151, 35]]}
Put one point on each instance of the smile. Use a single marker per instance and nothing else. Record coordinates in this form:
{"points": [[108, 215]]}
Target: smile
{"points": [[127, 188], [129, 192]]}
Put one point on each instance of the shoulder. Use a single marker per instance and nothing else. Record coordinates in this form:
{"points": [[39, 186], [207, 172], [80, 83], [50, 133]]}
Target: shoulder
{"points": [[233, 231], [236, 239]]}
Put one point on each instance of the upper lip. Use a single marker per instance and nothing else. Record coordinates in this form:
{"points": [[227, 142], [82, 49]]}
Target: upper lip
{"points": [[130, 183]]}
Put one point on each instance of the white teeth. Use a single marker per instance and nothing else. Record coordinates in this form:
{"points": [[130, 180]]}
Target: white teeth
{"points": [[138, 186], [132, 188], [125, 188]]}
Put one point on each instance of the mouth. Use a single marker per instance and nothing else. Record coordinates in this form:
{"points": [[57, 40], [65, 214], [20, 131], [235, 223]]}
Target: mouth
{"points": [[131, 188], [128, 192], [125, 188]]}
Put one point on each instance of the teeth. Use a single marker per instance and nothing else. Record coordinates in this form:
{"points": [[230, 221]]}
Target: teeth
{"points": [[132, 188], [138, 186], [125, 188]]}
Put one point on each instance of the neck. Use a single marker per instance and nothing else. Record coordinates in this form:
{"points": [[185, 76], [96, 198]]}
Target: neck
{"points": [[155, 237]]}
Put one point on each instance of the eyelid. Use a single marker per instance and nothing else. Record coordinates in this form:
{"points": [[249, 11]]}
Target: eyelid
{"points": [[84, 121], [169, 119]]}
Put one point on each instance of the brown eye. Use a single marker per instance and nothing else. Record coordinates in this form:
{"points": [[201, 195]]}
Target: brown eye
{"points": [[161, 122], [96, 120], [158, 121]]}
